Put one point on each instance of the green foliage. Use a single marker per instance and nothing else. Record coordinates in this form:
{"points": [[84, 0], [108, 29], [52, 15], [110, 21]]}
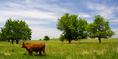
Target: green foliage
{"points": [[62, 38], [69, 25], [82, 28], [15, 30], [99, 28], [46, 38], [73, 29], [4, 33]]}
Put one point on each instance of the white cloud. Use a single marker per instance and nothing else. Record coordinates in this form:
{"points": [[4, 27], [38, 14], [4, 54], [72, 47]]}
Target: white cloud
{"points": [[116, 33], [2, 19], [102, 9], [37, 9], [28, 1], [15, 5], [95, 6], [85, 15], [37, 22], [107, 12], [40, 32], [29, 13], [114, 20]]}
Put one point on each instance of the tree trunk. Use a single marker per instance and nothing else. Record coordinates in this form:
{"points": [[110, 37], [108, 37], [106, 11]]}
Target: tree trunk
{"points": [[29, 39], [17, 41], [69, 41], [8, 40], [12, 41], [99, 38]]}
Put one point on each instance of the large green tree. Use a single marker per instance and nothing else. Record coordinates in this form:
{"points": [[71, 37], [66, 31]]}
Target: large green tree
{"points": [[15, 30], [82, 28], [99, 28], [72, 27], [69, 25]]}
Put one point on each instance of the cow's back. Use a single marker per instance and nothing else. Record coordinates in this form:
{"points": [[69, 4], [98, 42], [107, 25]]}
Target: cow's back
{"points": [[38, 45]]}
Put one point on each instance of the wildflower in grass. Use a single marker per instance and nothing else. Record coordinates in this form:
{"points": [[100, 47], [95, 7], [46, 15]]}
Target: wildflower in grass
{"points": [[99, 52], [7, 54], [85, 52]]}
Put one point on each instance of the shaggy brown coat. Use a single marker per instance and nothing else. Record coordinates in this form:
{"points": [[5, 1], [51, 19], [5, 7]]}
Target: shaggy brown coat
{"points": [[37, 47]]}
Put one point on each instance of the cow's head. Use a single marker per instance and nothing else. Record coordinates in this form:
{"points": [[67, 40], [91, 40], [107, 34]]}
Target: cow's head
{"points": [[24, 45]]}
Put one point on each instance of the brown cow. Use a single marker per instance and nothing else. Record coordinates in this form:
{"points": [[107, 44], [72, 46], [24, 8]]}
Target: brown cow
{"points": [[37, 47]]}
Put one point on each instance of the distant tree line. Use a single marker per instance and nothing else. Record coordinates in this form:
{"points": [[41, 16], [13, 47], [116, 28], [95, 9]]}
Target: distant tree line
{"points": [[15, 30], [74, 28]]}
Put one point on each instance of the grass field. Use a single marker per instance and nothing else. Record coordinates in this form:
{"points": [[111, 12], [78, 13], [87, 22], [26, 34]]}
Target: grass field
{"points": [[55, 49]]}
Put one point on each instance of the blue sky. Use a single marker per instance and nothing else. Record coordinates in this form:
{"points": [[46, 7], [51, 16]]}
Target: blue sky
{"points": [[42, 15]]}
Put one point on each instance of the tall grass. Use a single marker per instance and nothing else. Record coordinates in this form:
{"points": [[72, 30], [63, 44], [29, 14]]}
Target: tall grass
{"points": [[82, 49]]}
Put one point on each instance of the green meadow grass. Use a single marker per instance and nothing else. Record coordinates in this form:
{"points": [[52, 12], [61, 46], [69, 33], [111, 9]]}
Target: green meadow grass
{"points": [[55, 49]]}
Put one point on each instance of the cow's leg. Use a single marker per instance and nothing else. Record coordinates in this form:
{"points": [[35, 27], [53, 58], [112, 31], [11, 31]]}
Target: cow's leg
{"points": [[43, 50], [30, 52], [36, 52], [40, 52]]}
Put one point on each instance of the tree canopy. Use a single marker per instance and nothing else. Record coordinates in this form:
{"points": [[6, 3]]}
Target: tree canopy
{"points": [[99, 28], [72, 28], [46, 38], [15, 30], [82, 28]]}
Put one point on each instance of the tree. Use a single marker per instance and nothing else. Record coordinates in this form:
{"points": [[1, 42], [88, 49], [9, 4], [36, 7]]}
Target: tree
{"points": [[46, 38], [99, 28], [82, 28], [15, 30], [69, 25]]}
